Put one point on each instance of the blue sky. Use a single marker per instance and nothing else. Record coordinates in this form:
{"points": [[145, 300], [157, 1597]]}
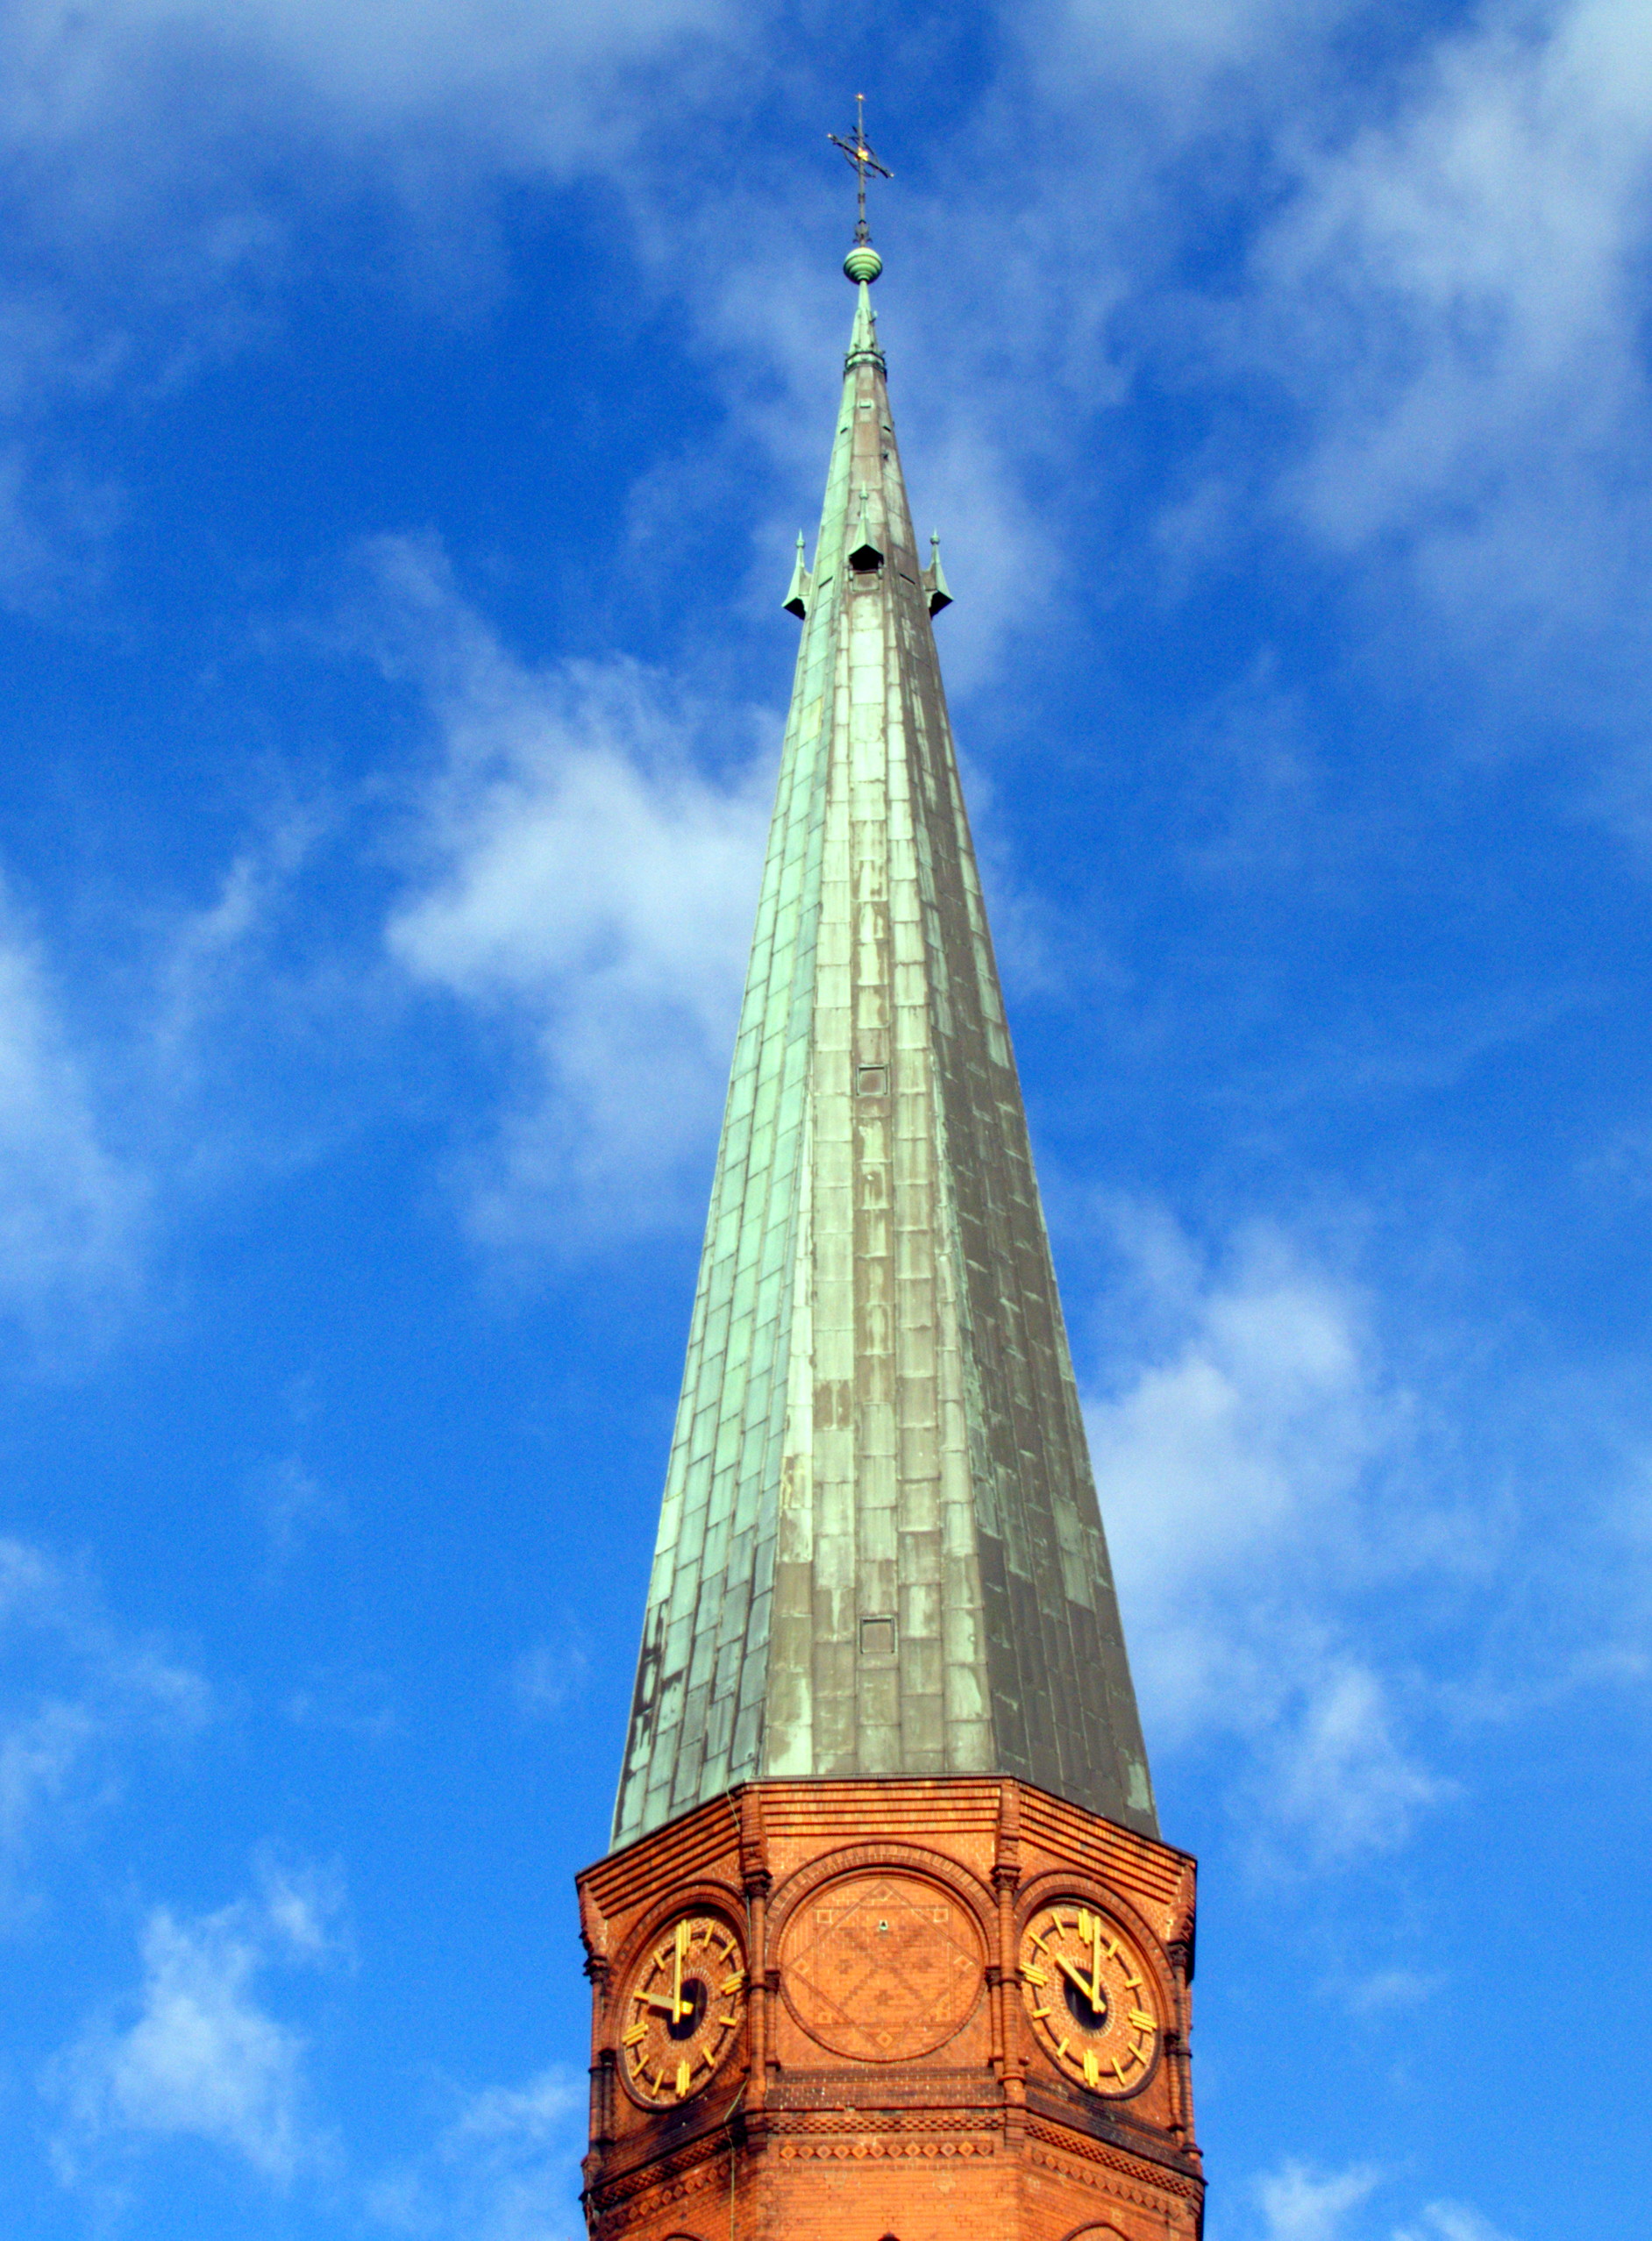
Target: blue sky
{"points": [[408, 414]]}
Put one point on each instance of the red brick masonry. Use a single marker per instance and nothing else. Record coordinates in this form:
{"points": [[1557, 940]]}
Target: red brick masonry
{"points": [[886, 2082]]}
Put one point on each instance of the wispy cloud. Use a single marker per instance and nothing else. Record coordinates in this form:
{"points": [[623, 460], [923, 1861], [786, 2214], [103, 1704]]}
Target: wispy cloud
{"points": [[1454, 295], [162, 116], [135, 1076], [502, 2170], [203, 2056], [77, 1691], [1450, 2222], [71, 1212], [547, 1677], [166, 165], [292, 1504], [1299, 2203], [1234, 1460], [582, 875]]}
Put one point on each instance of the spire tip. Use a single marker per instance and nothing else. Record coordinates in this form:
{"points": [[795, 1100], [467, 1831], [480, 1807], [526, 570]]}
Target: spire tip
{"points": [[859, 152]]}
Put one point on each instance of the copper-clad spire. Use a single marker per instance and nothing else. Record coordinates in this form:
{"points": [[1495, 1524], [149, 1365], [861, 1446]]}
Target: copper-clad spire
{"points": [[880, 1551]]}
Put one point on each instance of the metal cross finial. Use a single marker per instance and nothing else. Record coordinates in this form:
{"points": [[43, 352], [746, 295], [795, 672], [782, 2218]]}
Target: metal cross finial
{"points": [[864, 161]]}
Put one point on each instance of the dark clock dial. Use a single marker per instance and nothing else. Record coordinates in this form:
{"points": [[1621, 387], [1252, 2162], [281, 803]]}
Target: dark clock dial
{"points": [[682, 2008], [1089, 1997]]}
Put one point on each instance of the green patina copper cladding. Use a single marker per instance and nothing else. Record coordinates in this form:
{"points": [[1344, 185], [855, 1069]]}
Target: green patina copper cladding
{"points": [[879, 1421]]}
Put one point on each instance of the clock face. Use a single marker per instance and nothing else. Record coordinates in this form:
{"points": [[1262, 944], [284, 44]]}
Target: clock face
{"points": [[1090, 1996], [682, 2010]]}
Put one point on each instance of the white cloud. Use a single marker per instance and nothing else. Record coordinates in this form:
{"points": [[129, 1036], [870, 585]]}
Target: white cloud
{"points": [[203, 2057], [545, 82], [71, 1213], [1389, 1990], [207, 955], [1183, 56], [75, 1692], [355, 1703], [128, 1081], [504, 2170], [1450, 2222], [1299, 2203], [292, 1504], [582, 880], [1447, 285], [166, 160], [54, 527], [544, 1679], [1237, 1461], [1454, 293]]}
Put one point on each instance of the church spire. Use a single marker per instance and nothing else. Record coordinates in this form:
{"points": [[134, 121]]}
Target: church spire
{"points": [[880, 1551]]}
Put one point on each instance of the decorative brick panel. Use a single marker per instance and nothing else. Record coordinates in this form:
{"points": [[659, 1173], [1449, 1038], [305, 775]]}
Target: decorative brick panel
{"points": [[839, 2117]]}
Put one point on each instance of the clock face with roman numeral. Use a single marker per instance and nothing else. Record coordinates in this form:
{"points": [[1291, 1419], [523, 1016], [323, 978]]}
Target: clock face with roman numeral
{"points": [[681, 2010], [1091, 1997]]}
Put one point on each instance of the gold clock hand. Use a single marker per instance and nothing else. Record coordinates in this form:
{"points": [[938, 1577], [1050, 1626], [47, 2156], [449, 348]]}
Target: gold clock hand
{"points": [[1095, 1961], [1085, 1985], [678, 2011]]}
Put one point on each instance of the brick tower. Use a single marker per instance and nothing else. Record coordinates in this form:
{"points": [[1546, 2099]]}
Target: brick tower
{"points": [[889, 1947]]}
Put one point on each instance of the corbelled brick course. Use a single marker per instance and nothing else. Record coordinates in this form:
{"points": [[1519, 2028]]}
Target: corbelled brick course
{"points": [[983, 2136]]}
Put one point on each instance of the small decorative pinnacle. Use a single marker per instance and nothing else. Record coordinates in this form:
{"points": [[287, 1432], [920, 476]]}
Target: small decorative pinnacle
{"points": [[866, 555], [863, 262], [797, 591], [935, 581]]}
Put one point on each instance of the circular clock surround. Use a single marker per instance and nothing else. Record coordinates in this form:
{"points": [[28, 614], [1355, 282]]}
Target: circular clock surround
{"points": [[882, 1967], [681, 2009], [1090, 1995]]}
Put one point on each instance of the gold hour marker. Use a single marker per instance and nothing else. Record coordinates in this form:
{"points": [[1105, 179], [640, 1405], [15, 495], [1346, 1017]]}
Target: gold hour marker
{"points": [[636, 2035], [1142, 2020], [732, 1983], [684, 2074], [1061, 2046], [724, 2023], [1033, 1975], [662, 1957], [1092, 2067], [1039, 2014], [1118, 2070], [1084, 1922], [1037, 1941]]}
